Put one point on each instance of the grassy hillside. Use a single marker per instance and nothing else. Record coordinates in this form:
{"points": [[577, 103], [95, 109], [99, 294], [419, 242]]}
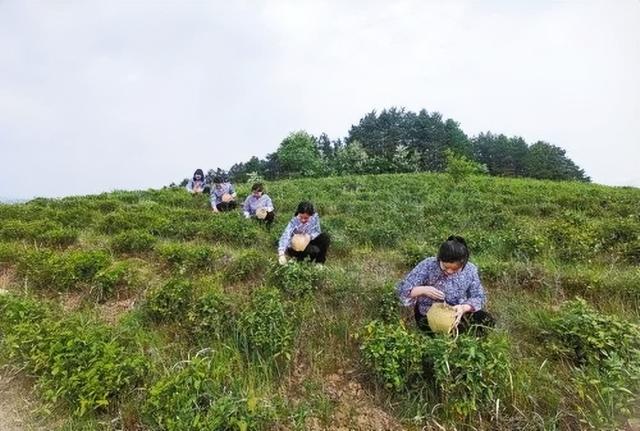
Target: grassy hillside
{"points": [[143, 310]]}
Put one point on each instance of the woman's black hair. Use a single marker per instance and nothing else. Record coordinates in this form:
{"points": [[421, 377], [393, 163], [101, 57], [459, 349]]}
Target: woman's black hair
{"points": [[305, 207], [454, 249], [218, 179], [257, 187], [198, 172]]}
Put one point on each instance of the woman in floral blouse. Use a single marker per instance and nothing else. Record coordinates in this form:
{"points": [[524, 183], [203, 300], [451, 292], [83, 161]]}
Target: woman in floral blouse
{"points": [[449, 278]]}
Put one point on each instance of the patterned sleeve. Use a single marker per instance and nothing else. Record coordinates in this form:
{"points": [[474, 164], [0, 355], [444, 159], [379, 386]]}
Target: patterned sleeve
{"points": [[475, 292], [314, 229], [416, 277], [190, 185], [268, 204], [285, 239]]}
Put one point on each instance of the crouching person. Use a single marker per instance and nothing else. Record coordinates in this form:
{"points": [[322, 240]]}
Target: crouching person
{"points": [[303, 238], [258, 205], [446, 293], [223, 195]]}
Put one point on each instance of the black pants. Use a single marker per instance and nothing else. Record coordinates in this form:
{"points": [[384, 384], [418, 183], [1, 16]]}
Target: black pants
{"points": [[227, 206], [475, 323], [316, 250], [268, 220]]}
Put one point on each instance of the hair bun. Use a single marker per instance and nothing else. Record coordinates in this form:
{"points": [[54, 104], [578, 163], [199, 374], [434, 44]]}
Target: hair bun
{"points": [[457, 238]]}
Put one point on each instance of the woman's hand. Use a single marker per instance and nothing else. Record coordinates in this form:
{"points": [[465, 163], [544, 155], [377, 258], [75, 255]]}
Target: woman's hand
{"points": [[282, 259], [428, 291], [461, 309]]}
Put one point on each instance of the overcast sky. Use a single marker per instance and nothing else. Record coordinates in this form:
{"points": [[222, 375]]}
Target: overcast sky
{"points": [[97, 96]]}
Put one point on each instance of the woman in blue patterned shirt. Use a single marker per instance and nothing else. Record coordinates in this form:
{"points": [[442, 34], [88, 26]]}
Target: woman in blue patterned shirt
{"points": [[304, 222], [223, 195], [255, 201], [450, 278]]}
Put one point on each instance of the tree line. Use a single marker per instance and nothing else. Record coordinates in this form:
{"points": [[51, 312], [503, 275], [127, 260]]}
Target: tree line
{"points": [[399, 141]]}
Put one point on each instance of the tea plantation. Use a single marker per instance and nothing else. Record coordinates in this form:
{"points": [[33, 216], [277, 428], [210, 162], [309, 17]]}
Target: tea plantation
{"points": [[145, 311]]}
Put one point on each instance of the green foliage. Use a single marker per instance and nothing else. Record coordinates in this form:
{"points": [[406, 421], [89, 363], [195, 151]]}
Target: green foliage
{"points": [[47, 270], [76, 360], [189, 257], [169, 302], [472, 374], [206, 393], [267, 325], [40, 232], [246, 265], [118, 276], [605, 353], [459, 167], [393, 354], [230, 228], [133, 241], [295, 279], [211, 315], [298, 155]]}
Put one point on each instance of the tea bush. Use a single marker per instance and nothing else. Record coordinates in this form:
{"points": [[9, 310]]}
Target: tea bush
{"points": [[295, 279], [472, 374], [247, 264], [605, 353], [133, 241], [189, 257], [206, 393], [76, 360], [231, 228], [123, 275], [211, 315], [169, 302], [267, 325], [40, 232], [393, 354]]}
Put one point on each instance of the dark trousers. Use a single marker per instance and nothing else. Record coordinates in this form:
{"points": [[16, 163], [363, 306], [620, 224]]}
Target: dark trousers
{"points": [[475, 323], [268, 220], [227, 206], [316, 250]]}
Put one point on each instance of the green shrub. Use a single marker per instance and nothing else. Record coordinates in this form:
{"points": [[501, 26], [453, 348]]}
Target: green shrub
{"points": [[267, 326], [169, 302], [393, 354], [295, 279], [246, 265], [211, 315], [118, 276], [133, 241], [472, 374], [230, 228], [206, 393], [189, 257], [79, 361], [415, 252], [41, 232], [605, 354]]}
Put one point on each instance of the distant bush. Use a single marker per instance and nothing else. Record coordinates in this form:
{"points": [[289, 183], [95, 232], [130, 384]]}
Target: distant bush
{"points": [[39, 232], [169, 302], [79, 361], [267, 325], [230, 228], [133, 241]]}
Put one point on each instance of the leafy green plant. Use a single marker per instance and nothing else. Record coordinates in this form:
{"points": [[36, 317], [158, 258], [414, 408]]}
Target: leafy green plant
{"points": [[118, 276], [206, 393], [295, 279], [189, 257], [211, 315], [392, 353], [76, 360], [133, 241], [267, 325], [247, 264], [169, 302]]}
